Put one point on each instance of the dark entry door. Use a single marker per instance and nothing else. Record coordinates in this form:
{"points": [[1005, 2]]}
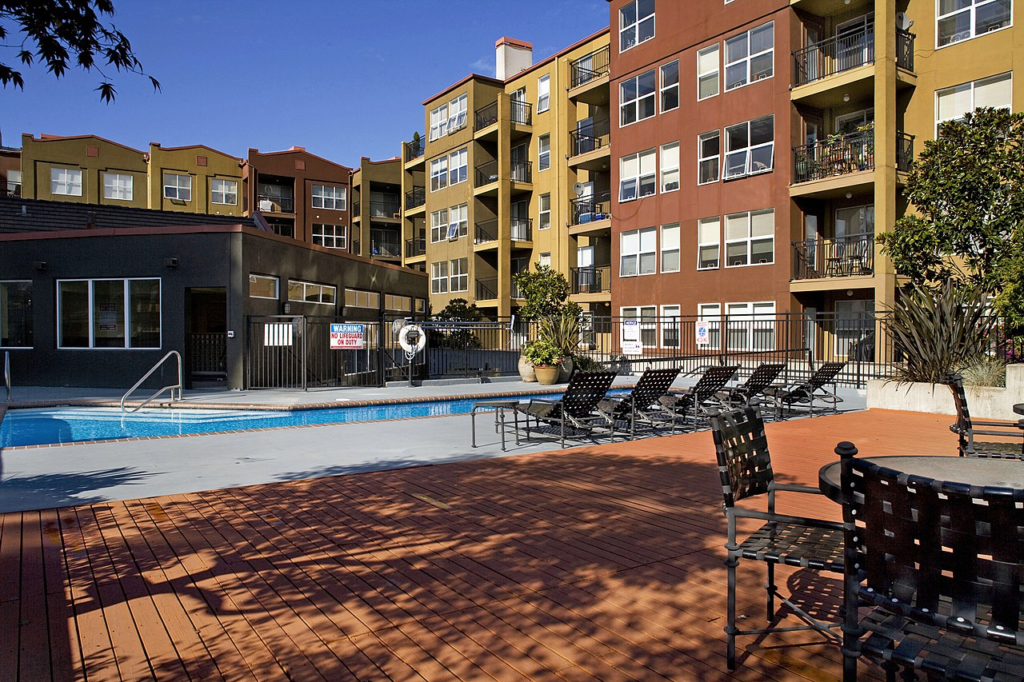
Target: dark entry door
{"points": [[206, 336]]}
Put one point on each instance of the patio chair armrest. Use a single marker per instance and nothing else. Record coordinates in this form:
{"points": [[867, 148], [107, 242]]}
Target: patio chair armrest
{"points": [[794, 488], [785, 518], [1014, 432], [546, 401], [999, 425]]}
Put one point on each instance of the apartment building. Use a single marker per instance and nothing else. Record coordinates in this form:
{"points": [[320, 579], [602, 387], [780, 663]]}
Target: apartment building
{"points": [[377, 209], [195, 179], [510, 170], [10, 171]]}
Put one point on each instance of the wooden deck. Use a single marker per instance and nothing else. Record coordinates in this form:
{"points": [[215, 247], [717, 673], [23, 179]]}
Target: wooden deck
{"points": [[600, 563]]}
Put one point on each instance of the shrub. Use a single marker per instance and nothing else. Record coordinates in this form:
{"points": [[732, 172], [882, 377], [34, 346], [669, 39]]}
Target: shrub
{"points": [[542, 353], [562, 330]]}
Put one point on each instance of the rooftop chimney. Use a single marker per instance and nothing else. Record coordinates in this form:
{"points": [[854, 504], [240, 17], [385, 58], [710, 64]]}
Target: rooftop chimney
{"points": [[512, 56]]}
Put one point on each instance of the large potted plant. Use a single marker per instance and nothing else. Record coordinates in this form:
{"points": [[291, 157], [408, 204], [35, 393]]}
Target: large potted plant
{"points": [[545, 292], [545, 358], [563, 331]]}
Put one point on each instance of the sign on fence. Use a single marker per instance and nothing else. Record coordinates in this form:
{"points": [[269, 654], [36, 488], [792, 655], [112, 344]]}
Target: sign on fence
{"points": [[277, 334], [701, 329], [346, 337], [631, 344]]}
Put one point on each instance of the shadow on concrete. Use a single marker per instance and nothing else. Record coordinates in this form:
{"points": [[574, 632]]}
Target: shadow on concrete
{"points": [[63, 490]]}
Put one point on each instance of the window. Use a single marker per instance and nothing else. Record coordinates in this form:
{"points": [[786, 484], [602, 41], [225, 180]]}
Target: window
{"points": [[636, 98], [393, 302], [750, 147], [711, 313], [637, 176], [750, 56], [750, 238], [439, 226], [457, 113], [223, 192], [707, 72], [709, 236], [544, 221], [358, 298], [439, 122], [648, 318], [545, 260], [709, 154], [670, 326], [311, 292], [438, 173], [66, 181], [670, 248], [421, 305], [330, 236], [118, 187], [459, 277], [639, 256], [636, 23], [670, 167], [751, 326], [263, 286], [964, 19], [952, 104], [330, 197], [543, 93], [14, 182], [670, 86], [108, 313], [439, 277], [16, 314], [177, 187], [458, 221], [543, 152], [458, 167]]}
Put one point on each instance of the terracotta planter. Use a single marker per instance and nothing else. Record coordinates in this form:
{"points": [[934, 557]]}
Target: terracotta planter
{"points": [[546, 374], [526, 372]]}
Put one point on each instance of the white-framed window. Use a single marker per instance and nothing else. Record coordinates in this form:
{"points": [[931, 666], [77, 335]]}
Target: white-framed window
{"points": [[330, 197], [438, 226], [750, 238], [223, 192], [438, 122], [707, 72], [670, 326], [66, 182], [638, 252], [14, 182], [543, 93], [709, 156], [360, 298], [178, 186], [438, 173], [637, 98], [957, 20], [750, 56], [670, 167], [16, 314], [458, 166], [108, 313], [264, 286], [636, 23], [647, 316], [330, 236], [118, 186], [637, 175], [670, 86], [543, 152], [751, 326], [312, 292], [709, 240], [670, 248], [750, 147], [952, 104], [711, 313], [544, 260], [457, 110], [458, 221], [459, 275], [439, 277], [544, 213]]}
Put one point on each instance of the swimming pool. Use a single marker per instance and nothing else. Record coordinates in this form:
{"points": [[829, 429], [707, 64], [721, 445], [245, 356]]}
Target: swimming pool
{"points": [[74, 424]]}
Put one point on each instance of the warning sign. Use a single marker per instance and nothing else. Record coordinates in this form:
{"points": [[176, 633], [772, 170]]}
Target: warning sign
{"points": [[346, 337], [703, 335]]}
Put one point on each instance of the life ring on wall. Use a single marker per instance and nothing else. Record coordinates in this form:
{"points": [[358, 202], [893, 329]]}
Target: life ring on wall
{"points": [[403, 338]]}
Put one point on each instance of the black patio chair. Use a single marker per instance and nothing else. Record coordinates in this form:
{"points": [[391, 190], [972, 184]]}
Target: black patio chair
{"points": [[808, 392], [745, 467], [575, 413], [941, 564], [964, 428], [763, 376], [692, 401], [641, 404]]}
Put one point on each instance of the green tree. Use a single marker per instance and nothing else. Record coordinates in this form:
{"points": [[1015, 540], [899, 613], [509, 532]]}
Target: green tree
{"points": [[967, 188], [546, 292], [457, 310], [61, 33]]}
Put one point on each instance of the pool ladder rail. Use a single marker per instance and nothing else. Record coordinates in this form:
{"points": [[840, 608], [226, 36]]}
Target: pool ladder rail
{"points": [[7, 376], [172, 388]]}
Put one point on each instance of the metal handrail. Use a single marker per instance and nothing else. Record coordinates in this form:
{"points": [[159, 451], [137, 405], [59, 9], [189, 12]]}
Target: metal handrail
{"points": [[7, 376], [165, 388]]}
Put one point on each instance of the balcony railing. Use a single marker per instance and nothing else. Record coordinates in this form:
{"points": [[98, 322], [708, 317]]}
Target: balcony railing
{"points": [[275, 204], [522, 171], [386, 244], [595, 279], [589, 67], [486, 232], [415, 247], [591, 208], [834, 55], [486, 115], [388, 208], [905, 49], [415, 197], [522, 112], [522, 229], [486, 173], [589, 138], [414, 149], [357, 208], [904, 151], [12, 189], [845, 256], [487, 289], [843, 154]]}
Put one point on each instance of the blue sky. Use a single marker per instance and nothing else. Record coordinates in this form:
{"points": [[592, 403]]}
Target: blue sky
{"points": [[343, 78]]}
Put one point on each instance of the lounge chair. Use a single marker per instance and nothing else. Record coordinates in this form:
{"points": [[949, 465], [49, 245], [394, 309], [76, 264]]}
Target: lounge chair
{"points": [[1012, 447], [576, 411], [808, 392], [641, 404], [691, 402], [763, 377]]}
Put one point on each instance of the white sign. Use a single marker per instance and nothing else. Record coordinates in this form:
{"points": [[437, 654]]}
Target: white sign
{"points": [[630, 330], [703, 335], [346, 337], [632, 348], [277, 334]]}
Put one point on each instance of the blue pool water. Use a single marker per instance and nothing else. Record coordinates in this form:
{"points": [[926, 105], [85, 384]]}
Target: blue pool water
{"points": [[71, 424]]}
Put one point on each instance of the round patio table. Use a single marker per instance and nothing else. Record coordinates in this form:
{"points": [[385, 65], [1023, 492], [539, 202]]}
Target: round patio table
{"points": [[980, 471]]}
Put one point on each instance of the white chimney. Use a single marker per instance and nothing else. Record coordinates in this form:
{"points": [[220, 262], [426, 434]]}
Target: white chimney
{"points": [[512, 56]]}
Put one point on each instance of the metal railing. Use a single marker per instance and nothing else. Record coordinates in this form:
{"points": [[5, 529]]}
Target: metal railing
{"points": [[846, 256], [522, 229], [486, 232], [11, 189], [273, 204], [522, 171], [414, 149], [170, 388], [7, 376], [835, 155], [522, 112], [904, 151], [486, 115], [415, 247], [487, 289], [486, 173], [208, 354], [415, 197], [589, 138], [385, 244], [591, 208], [356, 207], [905, 49], [387, 208], [834, 55], [589, 67], [595, 279]]}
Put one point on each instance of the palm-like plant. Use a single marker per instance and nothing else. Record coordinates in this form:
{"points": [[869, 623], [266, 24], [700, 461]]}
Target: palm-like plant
{"points": [[562, 330]]}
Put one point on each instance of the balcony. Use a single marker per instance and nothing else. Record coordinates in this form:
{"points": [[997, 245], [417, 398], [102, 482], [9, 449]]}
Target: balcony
{"points": [[588, 77], [522, 171], [522, 112], [595, 279], [834, 55], [385, 244], [522, 229], [589, 146], [486, 232], [13, 189], [848, 256], [486, 116], [389, 208], [905, 50], [486, 174], [415, 198], [414, 151], [275, 203], [842, 155], [415, 247], [590, 212], [487, 289]]}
